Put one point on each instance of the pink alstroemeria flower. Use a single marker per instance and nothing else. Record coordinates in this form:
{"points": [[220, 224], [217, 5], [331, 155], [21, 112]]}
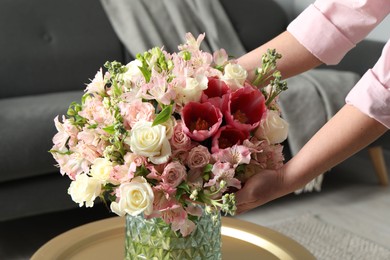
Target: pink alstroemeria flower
{"points": [[245, 108], [227, 136], [223, 171], [235, 155], [201, 120], [215, 92]]}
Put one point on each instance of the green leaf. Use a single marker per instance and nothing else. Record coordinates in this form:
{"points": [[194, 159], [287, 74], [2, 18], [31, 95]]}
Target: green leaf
{"points": [[92, 126], [141, 171], [179, 193], [147, 74], [63, 153], [110, 129], [208, 168], [84, 98], [116, 90], [184, 186], [163, 116]]}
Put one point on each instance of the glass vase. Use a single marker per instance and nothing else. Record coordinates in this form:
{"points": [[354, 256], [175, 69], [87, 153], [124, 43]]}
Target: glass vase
{"points": [[154, 239]]}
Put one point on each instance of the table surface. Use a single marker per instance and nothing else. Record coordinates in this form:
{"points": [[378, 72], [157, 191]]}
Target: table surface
{"points": [[104, 239]]}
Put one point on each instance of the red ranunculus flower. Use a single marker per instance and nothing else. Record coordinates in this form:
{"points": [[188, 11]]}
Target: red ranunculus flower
{"points": [[245, 108], [216, 90], [227, 136], [201, 120]]}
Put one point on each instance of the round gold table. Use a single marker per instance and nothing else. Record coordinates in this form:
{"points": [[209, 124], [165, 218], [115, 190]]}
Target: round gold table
{"points": [[104, 239]]}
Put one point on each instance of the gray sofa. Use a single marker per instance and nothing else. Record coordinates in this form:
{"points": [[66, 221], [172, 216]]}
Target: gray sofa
{"points": [[48, 50]]}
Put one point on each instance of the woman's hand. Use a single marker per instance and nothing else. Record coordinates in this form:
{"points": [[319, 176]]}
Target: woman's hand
{"points": [[259, 189]]}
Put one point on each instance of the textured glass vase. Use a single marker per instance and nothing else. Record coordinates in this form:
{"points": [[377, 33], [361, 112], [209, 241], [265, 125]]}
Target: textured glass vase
{"points": [[154, 239]]}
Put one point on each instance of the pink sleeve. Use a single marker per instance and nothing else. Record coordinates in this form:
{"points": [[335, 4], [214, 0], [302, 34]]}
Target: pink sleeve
{"points": [[330, 28], [371, 95]]}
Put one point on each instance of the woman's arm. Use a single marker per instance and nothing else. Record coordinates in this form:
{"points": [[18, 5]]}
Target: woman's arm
{"points": [[357, 124], [345, 134], [292, 51]]}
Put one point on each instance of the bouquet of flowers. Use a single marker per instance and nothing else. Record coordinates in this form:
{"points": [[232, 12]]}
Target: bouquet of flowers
{"points": [[171, 131]]}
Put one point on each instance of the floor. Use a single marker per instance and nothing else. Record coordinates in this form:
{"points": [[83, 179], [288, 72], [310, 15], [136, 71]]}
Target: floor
{"points": [[351, 198]]}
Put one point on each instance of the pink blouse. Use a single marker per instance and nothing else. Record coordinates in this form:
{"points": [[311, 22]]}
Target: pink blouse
{"points": [[330, 28]]}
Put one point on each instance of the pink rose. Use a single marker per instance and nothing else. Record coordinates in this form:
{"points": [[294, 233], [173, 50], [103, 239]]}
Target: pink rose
{"points": [[180, 140], [173, 174], [180, 155], [198, 157]]}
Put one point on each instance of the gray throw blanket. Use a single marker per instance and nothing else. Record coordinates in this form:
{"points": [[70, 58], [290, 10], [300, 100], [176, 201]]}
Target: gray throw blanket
{"points": [[144, 24], [312, 98]]}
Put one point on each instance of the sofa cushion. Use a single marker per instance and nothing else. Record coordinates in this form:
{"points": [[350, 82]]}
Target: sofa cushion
{"points": [[34, 196], [256, 22], [51, 46], [26, 133]]}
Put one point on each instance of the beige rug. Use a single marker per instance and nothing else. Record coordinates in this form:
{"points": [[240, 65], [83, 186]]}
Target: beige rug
{"points": [[328, 242]]}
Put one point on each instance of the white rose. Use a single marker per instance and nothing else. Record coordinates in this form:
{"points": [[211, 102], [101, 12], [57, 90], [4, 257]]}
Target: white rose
{"points": [[169, 126], [149, 141], [193, 88], [273, 128], [234, 76], [135, 197], [101, 169], [132, 71], [84, 189]]}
